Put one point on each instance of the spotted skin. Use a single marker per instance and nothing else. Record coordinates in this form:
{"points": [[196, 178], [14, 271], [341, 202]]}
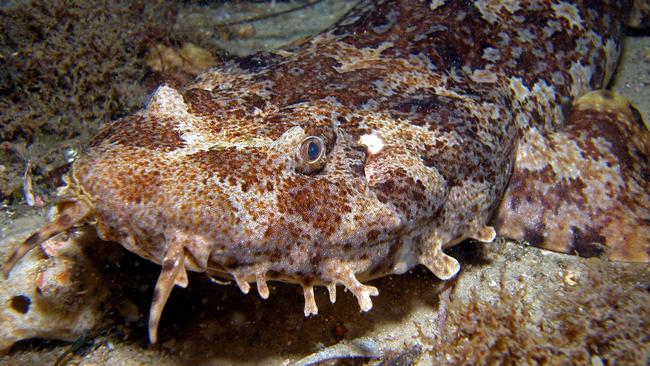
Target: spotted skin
{"points": [[422, 111], [584, 189]]}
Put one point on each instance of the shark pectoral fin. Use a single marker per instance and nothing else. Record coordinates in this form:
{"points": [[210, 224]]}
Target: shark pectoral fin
{"points": [[585, 189], [173, 272], [70, 213]]}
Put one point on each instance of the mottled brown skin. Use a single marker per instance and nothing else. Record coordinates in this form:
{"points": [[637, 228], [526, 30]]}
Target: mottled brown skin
{"points": [[584, 189], [423, 111]]}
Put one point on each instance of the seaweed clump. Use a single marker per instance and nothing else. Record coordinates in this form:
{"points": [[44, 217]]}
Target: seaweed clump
{"points": [[65, 68], [480, 333], [605, 320]]}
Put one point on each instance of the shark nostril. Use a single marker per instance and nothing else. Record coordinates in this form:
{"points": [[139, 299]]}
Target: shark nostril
{"points": [[21, 303]]}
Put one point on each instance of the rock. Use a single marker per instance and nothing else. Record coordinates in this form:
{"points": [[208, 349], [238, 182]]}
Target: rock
{"points": [[49, 297]]}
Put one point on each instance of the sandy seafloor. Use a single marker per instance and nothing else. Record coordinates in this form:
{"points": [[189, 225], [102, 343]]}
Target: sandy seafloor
{"points": [[519, 288]]}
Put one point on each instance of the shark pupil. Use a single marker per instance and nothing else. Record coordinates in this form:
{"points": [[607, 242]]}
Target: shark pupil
{"points": [[313, 151]]}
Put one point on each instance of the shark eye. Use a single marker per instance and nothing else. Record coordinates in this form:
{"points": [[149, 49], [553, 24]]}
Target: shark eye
{"points": [[311, 155]]}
